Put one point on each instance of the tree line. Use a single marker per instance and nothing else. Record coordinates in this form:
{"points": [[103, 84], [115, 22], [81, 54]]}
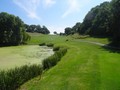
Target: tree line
{"points": [[101, 21], [13, 31], [37, 29], [73, 30]]}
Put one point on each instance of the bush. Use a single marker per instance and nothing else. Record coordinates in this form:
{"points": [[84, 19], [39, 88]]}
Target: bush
{"points": [[52, 60], [50, 45], [12, 79], [56, 48], [42, 44]]}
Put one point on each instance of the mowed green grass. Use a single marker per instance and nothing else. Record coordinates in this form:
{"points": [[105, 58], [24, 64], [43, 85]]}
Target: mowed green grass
{"points": [[86, 66], [15, 56]]}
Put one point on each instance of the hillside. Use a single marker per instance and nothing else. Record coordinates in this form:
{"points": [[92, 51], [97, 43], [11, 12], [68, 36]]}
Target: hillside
{"points": [[86, 66]]}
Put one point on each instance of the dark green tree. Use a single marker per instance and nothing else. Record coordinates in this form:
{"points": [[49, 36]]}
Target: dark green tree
{"points": [[45, 30], [115, 9], [55, 32], [37, 29], [12, 30], [68, 30], [97, 21], [31, 28], [101, 23], [76, 27], [87, 22]]}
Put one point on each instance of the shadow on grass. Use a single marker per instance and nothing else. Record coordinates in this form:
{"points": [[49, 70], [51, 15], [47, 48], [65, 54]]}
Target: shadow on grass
{"points": [[111, 49]]}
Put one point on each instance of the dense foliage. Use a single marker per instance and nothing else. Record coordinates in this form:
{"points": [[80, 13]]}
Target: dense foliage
{"points": [[68, 31], [12, 79], [115, 9], [97, 21], [54, 59], [12, 31], [73, 30], [37, 28], [101, 21]]}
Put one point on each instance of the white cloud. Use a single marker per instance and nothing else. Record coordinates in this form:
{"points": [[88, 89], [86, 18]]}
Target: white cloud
{"points": [[74, 6], [48, 3], [30, 6]]}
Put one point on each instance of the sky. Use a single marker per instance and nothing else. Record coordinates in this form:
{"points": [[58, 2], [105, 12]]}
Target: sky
{"points": [[56, 15]]}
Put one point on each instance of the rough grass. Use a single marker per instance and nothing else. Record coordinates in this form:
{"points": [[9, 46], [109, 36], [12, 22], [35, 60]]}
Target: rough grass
{"points": [[13, 78], [11, 57], [100, 40], [85, 67], [37, 39]]}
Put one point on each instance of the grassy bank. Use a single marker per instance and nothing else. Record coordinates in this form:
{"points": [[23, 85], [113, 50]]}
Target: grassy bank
{"points": [[16, 56], [85, 67], [12, 79]]}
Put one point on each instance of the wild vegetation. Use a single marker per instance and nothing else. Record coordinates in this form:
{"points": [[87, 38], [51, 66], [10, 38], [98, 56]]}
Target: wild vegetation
{"points": [[115, 8], [17, 56], [101, 21], [85, 66], [73, 30], [12, 30], [11, 79], [97, 21], [53, 60], [36, 29]]}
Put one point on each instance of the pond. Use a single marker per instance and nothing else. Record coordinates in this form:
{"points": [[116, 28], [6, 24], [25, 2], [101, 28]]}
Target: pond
{"points": [[15, 56]]}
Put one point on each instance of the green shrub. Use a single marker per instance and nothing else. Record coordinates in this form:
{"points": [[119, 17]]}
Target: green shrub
{"points": [[42, 44], [52, 60], [12, 79], [56, 48], [50, 45]]}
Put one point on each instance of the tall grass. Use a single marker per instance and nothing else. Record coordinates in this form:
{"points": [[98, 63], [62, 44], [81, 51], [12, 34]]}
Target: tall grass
{"points": [[50, 45], [12, 79], [56, 48], [42, 44], [52, 60]]}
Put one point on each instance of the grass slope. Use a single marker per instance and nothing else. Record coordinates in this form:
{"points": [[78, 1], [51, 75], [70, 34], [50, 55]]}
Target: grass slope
{"points": [[85, 67]]}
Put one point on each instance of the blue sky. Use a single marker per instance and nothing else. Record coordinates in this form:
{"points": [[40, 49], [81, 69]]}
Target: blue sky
{"points": [[55, 14]]}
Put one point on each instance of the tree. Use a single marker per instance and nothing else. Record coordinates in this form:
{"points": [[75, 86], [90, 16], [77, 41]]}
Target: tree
{"points": [[12, 30], [101, 23], [76, 27], [55, 32], [68, 31], [37, 28], [87, 22], [45, 30], [31, 28], [115, 9], [97, 21], [62, 34], [26, 27]]}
